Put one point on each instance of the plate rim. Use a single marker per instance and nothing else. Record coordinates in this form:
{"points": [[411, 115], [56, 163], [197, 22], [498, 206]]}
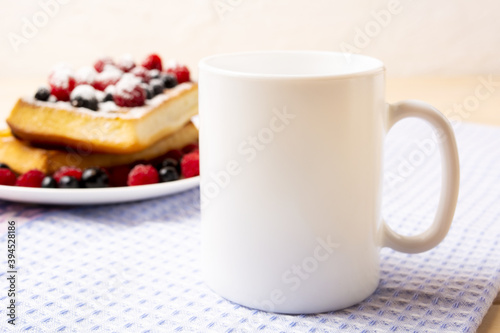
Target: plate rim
{"points": [[133, 193]]}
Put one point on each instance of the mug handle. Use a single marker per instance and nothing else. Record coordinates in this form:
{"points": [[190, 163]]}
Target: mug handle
{"points": [[450, 178]]}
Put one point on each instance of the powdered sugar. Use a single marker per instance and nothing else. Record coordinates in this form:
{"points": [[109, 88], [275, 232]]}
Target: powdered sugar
{"points": [[108, 106], [110, 89], [126, 62], [126, 85], [60, 78], [109, 76], [100, 95], [84, 91], [128, 92], [110, 72], [85, 75], [154, 73]]}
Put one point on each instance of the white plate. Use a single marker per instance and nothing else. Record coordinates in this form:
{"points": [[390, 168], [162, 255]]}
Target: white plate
{"points": [[92, 196]]}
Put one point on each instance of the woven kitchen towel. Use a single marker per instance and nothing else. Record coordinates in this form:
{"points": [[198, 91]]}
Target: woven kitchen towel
{"points": [[135, 267]]}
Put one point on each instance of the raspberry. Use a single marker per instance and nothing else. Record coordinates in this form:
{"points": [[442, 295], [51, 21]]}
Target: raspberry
{"points": [[100, 63], [181, 73], [141, 73], [67, 171], [125, 63], [61, 84], [32, 178], [190, 148], [142, 174], [128, 92], [190, 164], [118, 175], [152, 61], [110, 76], [7, 177]]}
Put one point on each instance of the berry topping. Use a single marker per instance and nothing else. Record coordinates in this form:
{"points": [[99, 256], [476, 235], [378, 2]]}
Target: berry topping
{"points": [[128, 92], [141, 73], [42, 94], [109, 76], [61, 84], [157, 86], [32, 178], [84, 96], [175, 154], [190, 148], [108, 97], [110, 89], [181, 73], [169, 80], [168, 174], [94, 177], [190, 164], [148, 90], [152, 61], [68, 171], [170, 162], [100, 63], [85, 75], [100, 95], [4, 166], [68, 182], [126, 62], [49, 182], [80, 102], [142, 174], [118, 175], [154, 73], [7, 177]]}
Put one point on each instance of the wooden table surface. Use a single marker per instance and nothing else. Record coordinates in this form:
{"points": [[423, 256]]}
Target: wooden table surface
{"points": [[468, 99]]}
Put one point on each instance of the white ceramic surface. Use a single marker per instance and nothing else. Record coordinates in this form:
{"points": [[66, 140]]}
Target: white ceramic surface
{"points": [[89, 196], [291, 150]]}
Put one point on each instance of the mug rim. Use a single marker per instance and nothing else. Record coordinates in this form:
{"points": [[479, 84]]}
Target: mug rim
{"points": [[204, 65]]}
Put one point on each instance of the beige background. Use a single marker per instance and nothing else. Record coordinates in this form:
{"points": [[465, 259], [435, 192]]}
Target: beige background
{"points": [[424, 37]]}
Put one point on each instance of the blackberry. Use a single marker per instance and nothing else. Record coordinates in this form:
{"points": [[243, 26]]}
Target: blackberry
{"points": [[69, 182], [157, 86], [148, 90], [49, 182], [94, 177], [170, 162], [42, 94], [80, 102], [169, 80], [83, 96], [168, 174], [108, 97]]}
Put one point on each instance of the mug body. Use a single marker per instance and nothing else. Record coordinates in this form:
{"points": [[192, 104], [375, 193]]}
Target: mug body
{"points": [[291, 171]]}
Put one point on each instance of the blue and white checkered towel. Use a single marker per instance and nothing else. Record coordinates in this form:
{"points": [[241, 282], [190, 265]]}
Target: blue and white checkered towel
{"points": [[135, 267]]}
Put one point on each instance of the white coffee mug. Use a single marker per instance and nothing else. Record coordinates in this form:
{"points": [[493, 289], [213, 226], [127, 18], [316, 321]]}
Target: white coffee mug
{"points": [[291, 146]]}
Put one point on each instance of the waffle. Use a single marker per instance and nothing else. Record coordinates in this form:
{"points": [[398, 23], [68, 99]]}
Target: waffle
{"points": [[110, 130], [22, 157]]}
